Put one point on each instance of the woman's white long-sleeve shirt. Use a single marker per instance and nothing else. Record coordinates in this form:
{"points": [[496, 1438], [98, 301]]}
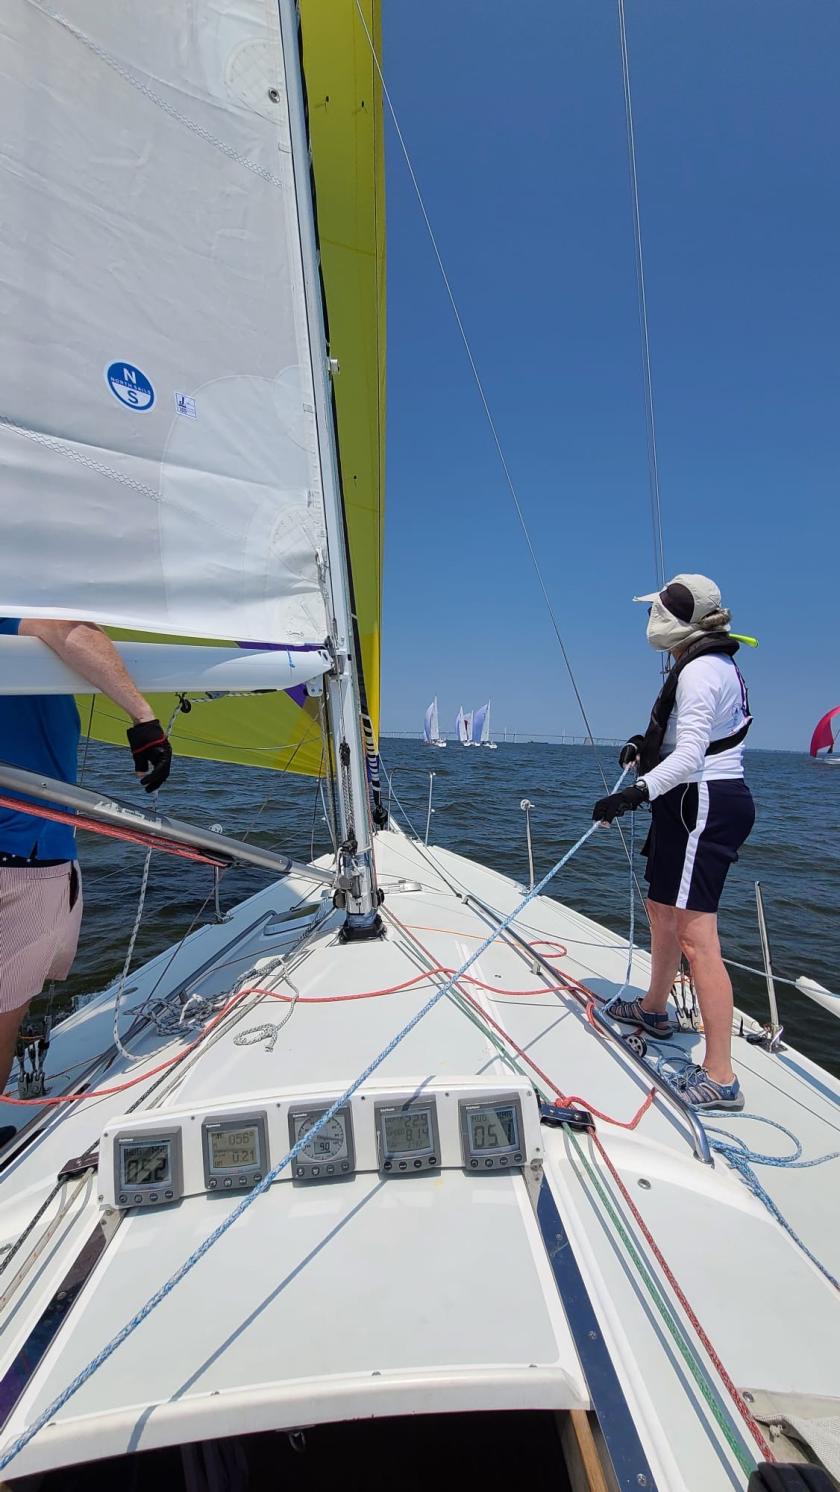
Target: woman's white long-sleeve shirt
{"points": [[710, 704]]}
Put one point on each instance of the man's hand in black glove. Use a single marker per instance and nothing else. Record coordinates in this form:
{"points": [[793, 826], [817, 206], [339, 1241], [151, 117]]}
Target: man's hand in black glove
{"points": [[631, 751], [629, 798], [152, 753]]}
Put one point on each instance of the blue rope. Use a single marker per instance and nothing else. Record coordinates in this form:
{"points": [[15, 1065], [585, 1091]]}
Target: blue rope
{"points": [[632, 931], [742, 1159], [271, 1176]]}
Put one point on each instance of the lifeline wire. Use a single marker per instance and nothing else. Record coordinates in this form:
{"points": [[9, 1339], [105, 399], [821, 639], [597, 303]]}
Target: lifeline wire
{"points": [[271, 1176]]}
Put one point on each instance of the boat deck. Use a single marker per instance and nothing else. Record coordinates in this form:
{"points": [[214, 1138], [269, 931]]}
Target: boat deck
{"points": [[377, 1295]]}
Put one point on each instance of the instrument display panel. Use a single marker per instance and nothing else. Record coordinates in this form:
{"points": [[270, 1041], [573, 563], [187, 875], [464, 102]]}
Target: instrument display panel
{"points": [[407, 1136], [235, 1150], [331, 1152], [492, 1133], [148, 1168]]}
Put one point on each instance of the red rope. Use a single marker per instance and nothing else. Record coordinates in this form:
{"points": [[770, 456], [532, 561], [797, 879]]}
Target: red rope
{"points": [[110, 831], [581, 990], [139, 1077], [562, 1099], [249, 990], [743, 1409]]}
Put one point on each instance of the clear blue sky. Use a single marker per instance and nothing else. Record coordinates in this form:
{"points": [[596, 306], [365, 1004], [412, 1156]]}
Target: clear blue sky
{"points": [[513, 114]]}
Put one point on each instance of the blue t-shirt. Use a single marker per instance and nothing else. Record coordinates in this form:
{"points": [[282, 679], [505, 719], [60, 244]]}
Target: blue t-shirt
{"points": [[40, 733]]}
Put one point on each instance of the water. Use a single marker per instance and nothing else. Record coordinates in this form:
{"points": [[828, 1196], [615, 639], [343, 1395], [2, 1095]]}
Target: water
{"points": [[794, 851]]}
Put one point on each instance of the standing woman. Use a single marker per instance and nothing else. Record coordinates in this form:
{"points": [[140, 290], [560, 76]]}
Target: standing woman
{"points": [[690, 768]]}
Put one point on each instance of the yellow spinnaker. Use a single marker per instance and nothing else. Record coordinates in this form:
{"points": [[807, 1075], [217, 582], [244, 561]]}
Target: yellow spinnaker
{"points": [[346, 131]]}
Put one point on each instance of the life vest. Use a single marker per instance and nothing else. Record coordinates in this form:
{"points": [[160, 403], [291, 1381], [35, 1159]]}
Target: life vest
{"points": [[651, 749]]}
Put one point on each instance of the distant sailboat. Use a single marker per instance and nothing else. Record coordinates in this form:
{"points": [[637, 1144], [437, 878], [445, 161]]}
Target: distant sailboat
{"points": [[431, 726], [481, 728], [463, 727], [824, 738]]}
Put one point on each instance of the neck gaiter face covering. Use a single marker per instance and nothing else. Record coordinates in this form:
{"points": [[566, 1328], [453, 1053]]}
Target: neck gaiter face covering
{"points": [[666, 632]]}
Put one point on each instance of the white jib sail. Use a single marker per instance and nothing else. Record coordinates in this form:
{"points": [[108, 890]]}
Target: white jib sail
{"points": [[159, 463], [481, 725], [430, 727]]}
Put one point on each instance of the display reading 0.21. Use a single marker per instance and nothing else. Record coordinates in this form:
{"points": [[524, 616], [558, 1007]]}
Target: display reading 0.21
{"points": [[145, 1165], [494, 1129], [407, 1132], [233, 1149]]}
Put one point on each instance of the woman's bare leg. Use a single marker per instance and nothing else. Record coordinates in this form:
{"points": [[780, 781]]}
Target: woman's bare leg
{"points": [[665, 953], [698, 938]]}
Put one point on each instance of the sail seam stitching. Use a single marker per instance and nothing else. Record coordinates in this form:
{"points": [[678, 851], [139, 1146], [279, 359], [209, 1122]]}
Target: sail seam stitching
{"points": [[155, 98], [51, 444]]}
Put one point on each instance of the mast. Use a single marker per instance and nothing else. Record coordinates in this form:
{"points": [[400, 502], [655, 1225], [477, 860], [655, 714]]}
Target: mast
{"points": [[357, 874]]}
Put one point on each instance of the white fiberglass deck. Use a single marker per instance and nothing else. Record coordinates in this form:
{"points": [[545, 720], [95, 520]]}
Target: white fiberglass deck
{"points": [[381, 1295]]}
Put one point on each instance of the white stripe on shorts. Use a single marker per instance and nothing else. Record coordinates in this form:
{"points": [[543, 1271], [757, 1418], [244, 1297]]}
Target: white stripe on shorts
{"points": [[693, 841]]}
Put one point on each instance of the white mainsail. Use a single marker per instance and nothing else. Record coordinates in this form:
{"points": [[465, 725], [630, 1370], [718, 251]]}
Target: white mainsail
{"points": [[157, 419], [431, 725], [481, 725]]}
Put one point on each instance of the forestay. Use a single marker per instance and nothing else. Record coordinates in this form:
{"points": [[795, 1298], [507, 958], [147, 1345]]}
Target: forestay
{"points": [[157, 431]]}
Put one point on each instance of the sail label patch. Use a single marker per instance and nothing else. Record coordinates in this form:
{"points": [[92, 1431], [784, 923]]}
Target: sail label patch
{"points": [[185, 405], [130, 386]]}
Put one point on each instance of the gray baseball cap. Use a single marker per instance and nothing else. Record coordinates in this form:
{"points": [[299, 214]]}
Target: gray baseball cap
{"points": [[687, 597]]}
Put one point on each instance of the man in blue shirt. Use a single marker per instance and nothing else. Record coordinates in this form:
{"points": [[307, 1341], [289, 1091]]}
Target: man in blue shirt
{"points": [[40, 887]]}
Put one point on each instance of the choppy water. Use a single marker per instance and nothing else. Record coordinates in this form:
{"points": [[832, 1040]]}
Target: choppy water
{"points": [[794, 851]]}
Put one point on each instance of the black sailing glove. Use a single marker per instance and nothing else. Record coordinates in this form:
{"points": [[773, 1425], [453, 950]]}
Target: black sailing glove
{"points": [[607, 809], [152, 753], [379, 814], [631, 751]]}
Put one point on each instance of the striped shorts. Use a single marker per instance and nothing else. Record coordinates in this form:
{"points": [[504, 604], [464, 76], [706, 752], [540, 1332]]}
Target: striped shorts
{"points": [[696, 833], [40, 917]]}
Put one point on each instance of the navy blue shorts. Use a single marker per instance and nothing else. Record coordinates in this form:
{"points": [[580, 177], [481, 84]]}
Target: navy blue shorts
{"points": [[696, 832]]}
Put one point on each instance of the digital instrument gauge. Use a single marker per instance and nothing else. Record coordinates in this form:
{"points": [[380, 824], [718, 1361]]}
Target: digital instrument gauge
{"points": [[491, 1133], [148, 1168], [330, 1152], [407, 1136], [235, 1151]]}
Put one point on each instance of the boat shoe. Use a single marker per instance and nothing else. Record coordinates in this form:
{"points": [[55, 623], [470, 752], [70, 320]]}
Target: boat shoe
{"points": [[702, 1092], [630, 1013]]}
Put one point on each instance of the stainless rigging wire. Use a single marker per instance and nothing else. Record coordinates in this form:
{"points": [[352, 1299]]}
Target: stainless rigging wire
{"points": [[490, 420], [650, 421]]}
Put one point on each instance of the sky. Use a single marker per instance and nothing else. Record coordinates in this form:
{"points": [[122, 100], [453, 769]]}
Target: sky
{"points": [[513, 115]]}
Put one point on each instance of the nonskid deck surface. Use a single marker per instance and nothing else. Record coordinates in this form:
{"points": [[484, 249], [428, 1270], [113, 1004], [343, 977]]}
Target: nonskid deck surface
{"points": [[378, 1295]]}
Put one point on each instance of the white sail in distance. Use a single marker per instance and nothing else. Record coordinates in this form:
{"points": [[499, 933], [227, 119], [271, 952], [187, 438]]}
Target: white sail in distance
{"points": [[481, 725], [159, 464], [431, 726]]}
